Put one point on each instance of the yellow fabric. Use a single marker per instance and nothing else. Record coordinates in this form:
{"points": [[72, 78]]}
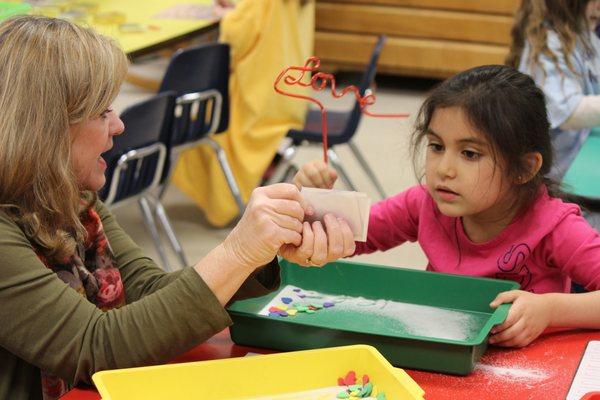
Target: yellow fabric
{"points": [[265, 37]]}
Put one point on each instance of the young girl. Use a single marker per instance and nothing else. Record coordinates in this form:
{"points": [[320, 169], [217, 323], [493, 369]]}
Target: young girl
{"points": [[487, 208], [554, 42]]}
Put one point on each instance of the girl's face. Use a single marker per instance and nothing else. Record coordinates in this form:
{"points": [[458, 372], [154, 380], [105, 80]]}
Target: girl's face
{"points": [[592, 14], [90, 139], [462, 175]]}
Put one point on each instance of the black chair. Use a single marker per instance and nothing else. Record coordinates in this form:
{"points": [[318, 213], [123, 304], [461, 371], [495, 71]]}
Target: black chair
{"points": [[341, 129], [199, 76], [136, 165]]}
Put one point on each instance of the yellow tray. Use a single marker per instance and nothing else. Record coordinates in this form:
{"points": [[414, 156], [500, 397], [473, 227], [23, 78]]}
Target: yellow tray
{"points": [[257, 376]]}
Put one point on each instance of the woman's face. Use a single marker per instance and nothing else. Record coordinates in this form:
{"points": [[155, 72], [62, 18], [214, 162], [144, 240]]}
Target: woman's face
{"points": [[592, 13], [90, 139]]}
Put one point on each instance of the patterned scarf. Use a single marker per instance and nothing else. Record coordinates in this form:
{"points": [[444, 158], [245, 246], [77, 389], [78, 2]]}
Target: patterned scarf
{"points": [[91, 272]]}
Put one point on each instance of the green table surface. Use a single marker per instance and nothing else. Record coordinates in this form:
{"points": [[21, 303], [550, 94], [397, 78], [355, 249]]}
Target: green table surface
{"points": [[583, 177]]}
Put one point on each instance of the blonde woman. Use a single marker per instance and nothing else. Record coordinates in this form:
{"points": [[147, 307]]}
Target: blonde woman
{"points": [[76, 294], [554, 42]]}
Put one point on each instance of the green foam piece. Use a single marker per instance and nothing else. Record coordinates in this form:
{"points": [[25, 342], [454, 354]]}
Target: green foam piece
{"points": [[366, 390]]}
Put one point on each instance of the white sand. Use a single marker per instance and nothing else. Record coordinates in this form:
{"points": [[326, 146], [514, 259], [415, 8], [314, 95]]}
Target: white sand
{"points": [[414, 319]]}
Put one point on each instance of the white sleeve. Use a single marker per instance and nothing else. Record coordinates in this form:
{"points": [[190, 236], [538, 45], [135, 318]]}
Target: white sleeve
{"points": [[586, 115], [563, 87]]}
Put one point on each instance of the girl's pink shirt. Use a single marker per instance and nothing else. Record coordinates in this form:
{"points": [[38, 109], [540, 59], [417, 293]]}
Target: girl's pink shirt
{"points": [[543, 249]]}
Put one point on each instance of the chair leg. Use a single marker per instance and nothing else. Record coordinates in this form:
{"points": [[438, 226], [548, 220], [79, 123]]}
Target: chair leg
{"points": [[289, 173], [337, 164], [166, 224], [367, 169], [151, 225], [162, 189], [280, 173], [165, 185], [233, 187]]}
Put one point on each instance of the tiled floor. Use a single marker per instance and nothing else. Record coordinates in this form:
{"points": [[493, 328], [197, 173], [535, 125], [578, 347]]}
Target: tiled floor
{"points": [[384, 143]]}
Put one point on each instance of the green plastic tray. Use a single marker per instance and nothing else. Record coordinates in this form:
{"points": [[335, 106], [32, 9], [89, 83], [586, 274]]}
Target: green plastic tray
{"points": [[9, 9], [339, 325]]}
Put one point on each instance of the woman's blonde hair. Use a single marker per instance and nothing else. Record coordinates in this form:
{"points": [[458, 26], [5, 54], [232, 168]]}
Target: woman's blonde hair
{"points": [[52, 74], [535, 18]]}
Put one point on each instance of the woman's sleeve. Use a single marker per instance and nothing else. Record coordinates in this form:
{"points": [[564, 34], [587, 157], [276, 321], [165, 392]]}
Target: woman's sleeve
{"points": [[48, 324], [563, 88], [585, 116], [262, 281], [140, 274]]}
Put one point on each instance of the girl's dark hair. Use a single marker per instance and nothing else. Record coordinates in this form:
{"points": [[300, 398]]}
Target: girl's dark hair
{"points": [[506, 106]]}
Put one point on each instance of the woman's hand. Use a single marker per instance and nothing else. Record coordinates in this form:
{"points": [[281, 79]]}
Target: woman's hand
{"points": [[223, 7], [225, 3], [315, 174], [273, 218], [321, 244], [528, 317]]}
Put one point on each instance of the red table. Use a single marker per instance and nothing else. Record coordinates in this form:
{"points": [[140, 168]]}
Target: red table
{"points": [[541, 371]]}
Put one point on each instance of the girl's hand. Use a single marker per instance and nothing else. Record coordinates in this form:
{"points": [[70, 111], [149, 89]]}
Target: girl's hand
{"points": [[321, 245], [272, 219], [315, 174], [529, 315]]}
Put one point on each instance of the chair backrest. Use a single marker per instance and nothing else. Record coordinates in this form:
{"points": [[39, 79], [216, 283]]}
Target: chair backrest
{"points": [[138, 159], [366, 81], [200, 78]]}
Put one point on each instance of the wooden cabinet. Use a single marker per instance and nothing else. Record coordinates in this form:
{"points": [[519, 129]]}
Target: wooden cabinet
{"points": [[431, 38]]}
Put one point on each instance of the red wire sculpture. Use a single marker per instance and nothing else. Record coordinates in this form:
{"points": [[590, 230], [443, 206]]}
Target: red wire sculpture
{"points": [[318, 82]]}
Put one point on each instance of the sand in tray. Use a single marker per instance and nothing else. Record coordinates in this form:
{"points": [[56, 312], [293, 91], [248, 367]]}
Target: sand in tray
{"points": [[387, 316]]}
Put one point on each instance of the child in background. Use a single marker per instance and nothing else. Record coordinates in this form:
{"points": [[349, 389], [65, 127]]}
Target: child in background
{"points": [[265, 36], [488, 208], [555, 43]]}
